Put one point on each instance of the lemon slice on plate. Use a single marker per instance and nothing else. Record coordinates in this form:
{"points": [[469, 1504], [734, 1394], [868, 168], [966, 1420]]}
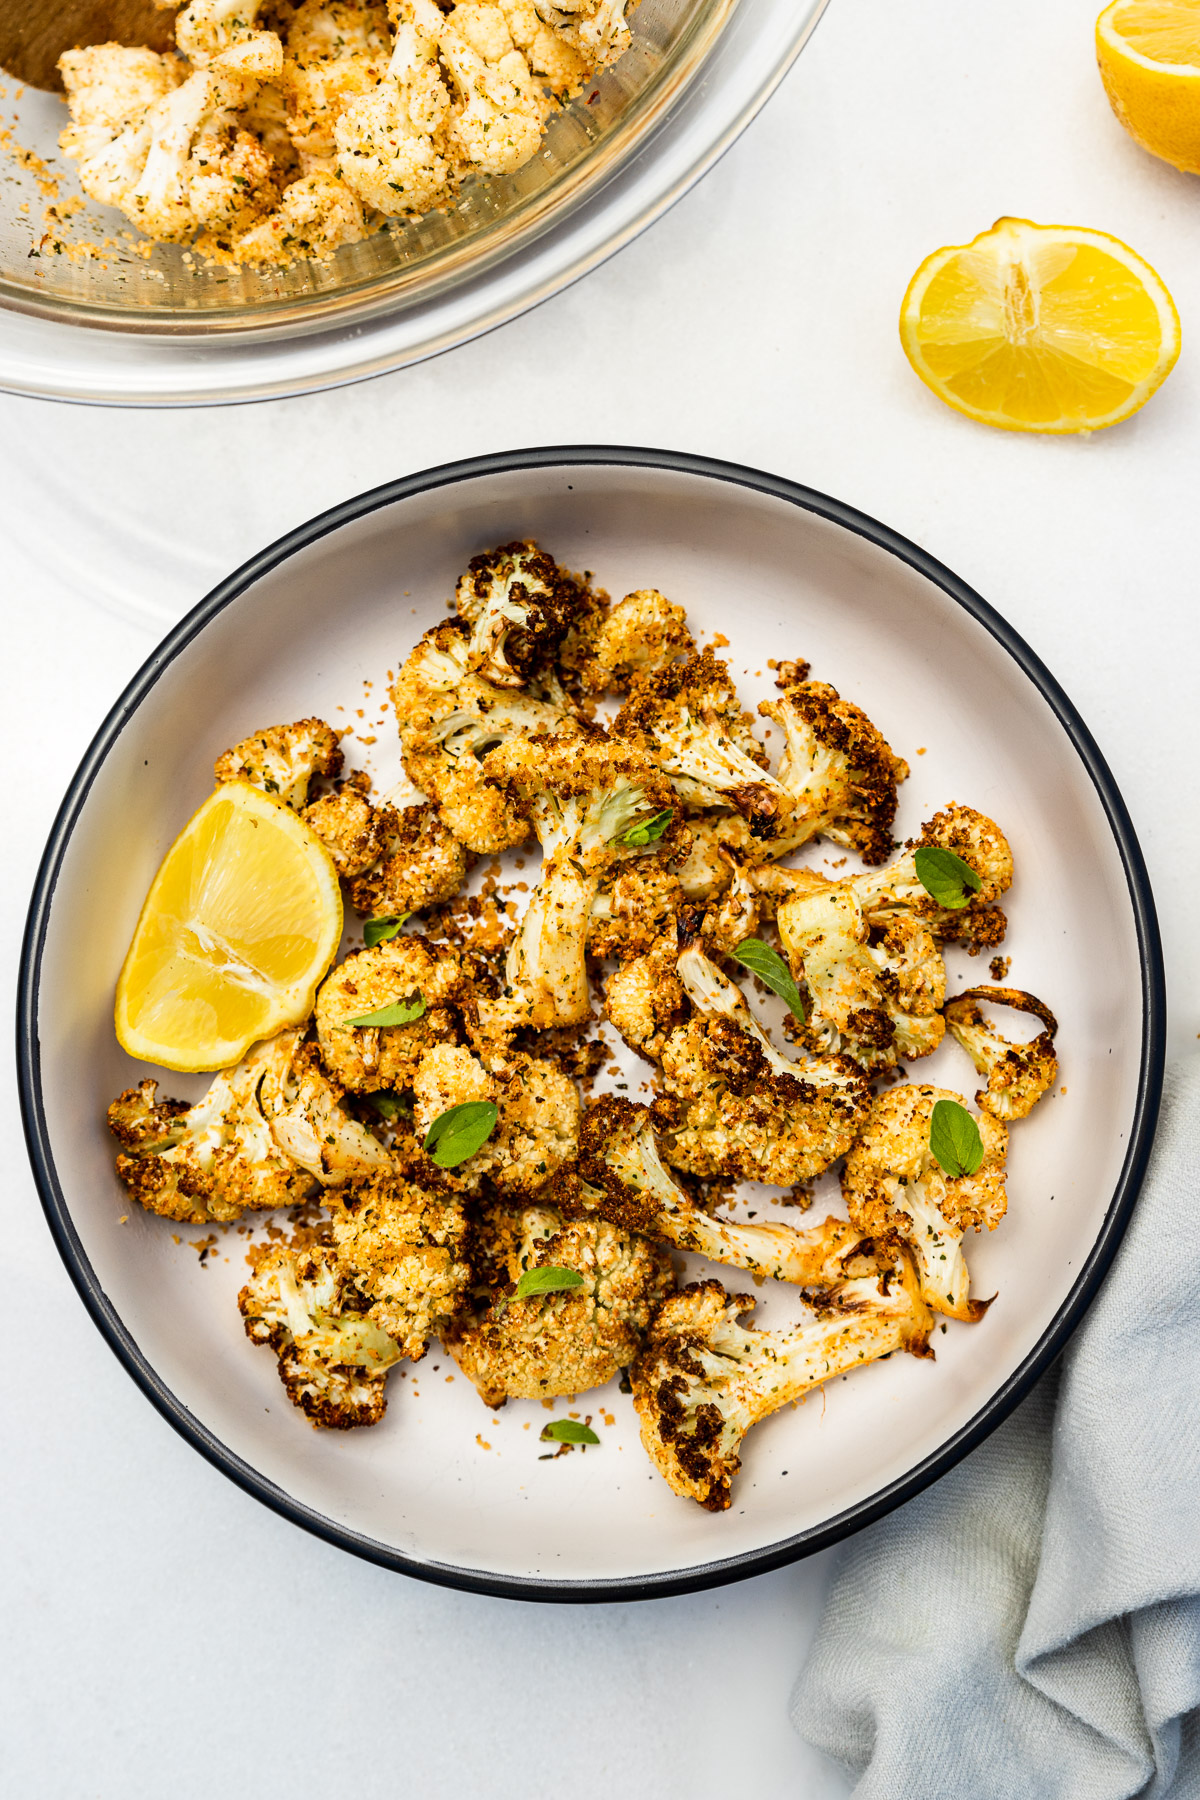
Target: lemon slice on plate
{"points": [[1149, 56], [241, 922], [1040, 327]]}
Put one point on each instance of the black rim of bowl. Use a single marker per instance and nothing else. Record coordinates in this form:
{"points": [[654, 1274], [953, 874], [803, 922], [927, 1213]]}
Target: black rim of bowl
{"points": [[1006, 1397]]}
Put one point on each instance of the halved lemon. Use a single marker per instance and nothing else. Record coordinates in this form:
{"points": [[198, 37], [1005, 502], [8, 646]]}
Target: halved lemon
{"points": [[241, 922], [1149, 56], [1040, 327]]}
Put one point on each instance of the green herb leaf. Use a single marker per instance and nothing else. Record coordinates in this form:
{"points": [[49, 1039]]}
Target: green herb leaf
{"points": [[568, 1431], [954, 1138], [381, 931], [548, 1280], [399, 1012], [647, 831], [389, 1107], [947, 877], [460, 1131], [771, 969]]}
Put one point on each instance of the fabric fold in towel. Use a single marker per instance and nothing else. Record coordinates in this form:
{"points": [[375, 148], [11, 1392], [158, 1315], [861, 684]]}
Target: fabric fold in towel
{"points": [[1029, 1628]]}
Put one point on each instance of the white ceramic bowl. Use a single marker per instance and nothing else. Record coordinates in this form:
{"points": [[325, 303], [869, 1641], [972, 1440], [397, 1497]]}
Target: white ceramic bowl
{"points": [[780, 571], [162, 331]]}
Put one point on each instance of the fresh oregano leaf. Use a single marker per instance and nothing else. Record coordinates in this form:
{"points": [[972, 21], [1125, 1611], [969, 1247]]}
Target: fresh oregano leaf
{"points": [[398, 1012], [568, 1431], [772, 971], [954, 1138], [647, 831], [947, 877], [460, 1131], [381, 931], [389, 1107], [548, 1280]]}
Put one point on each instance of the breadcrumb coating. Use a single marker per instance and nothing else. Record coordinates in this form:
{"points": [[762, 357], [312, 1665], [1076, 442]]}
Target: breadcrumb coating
{"points": [[839, 775], [556, 1343], [408, 1249], [283, 760]]}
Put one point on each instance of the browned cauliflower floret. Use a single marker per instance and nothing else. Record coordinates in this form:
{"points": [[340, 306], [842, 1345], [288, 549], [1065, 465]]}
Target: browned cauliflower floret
{"points": [[350, 828], [592, 802], [283, 759], [408, 1250], [735, 1107], [1018, 1074], [316, 215], [644, 999], [689, 718], [620, 1176], [537, 1125], [421, 864], [307, 1120], [896, 1190], [704, 1378], [976, 840], [333, 1359], [645, 631], [214, 1160], [564, 1342], [871, 992], [449, 718], [520, 606], [367, 1058], [334, 52], [634, 909], [838, 774]]}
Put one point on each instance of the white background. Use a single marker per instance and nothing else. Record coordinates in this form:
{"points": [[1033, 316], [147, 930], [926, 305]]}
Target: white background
{"points": [[161, 1632]]}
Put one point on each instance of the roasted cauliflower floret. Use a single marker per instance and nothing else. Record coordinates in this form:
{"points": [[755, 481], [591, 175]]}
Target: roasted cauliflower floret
{"points": [[366, 1058], [585, 798], [351, 829], [308, 1122], [394, 145], [644, 632], [449, 719], [421, 864], [564, 1342], [703, 1378], [873, 994], [334, 52], [214, 1160], [501, 107], [620, 1176], [895, 1190], [598, 29], [537, 1125], [226, 33], [635, 907], [283, 760], [978, 841], [689, 718], [408, 1250], [737, 1109], [644, 999], [1018, 1074], [333, 1360], [839, 775], [520, 606]]}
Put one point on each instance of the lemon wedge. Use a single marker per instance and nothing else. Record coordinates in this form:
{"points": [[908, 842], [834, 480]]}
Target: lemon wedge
{"points": [[241, 922], [1040, 328], [1149, 56]]}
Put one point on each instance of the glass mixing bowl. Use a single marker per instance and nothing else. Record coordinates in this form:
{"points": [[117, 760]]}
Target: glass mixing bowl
{"points": [[104, 276]]}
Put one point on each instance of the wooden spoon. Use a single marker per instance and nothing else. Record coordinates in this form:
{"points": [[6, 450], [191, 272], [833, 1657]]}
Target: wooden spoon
{"points": [[34, 34]]}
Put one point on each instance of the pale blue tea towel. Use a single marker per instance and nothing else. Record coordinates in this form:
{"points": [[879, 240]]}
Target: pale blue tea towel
{"points": [[1029, 1629]]}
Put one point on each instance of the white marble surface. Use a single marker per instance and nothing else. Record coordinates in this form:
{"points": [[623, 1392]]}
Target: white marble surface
{"points": [[162, 1633]]}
